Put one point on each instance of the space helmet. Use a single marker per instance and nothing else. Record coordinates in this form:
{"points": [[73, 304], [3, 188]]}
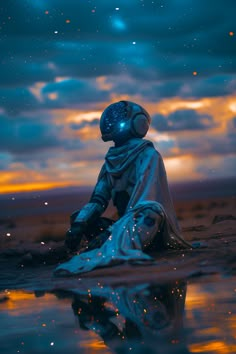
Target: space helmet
{"points": [[124, 120]]}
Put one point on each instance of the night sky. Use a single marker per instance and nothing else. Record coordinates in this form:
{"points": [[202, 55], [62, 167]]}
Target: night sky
{"points": [[64, 61]]}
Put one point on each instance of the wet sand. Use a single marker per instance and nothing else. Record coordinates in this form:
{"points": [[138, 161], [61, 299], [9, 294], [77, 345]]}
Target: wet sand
{"points": [[29, 264]]}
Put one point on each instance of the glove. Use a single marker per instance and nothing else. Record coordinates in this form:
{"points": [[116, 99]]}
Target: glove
{"points": [[97, 241], [74, 236]]}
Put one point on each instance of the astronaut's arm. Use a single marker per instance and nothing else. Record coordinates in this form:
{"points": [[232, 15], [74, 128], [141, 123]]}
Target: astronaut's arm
{"points": [[98, 201], [84, 217]]}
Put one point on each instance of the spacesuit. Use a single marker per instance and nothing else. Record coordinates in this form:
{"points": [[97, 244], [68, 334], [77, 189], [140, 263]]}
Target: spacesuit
{"points": [[134, 177]]}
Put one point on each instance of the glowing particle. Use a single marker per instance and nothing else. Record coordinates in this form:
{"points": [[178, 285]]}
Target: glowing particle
{"points": [[117, 8], [195, 73], [67, 21], [42, 243], [45, 203], [55, 32], [93, 11], [231, 33], [13, 198], [133, 42], [8, 234], [52, 343], [46, 12], [44, 325]]}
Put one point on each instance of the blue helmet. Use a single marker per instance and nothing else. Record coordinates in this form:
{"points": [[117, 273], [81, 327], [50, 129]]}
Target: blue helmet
{"points": [[124, 120]]}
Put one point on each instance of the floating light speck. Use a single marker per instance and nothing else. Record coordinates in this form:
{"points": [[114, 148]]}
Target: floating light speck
{"points": [[45, 203], [8, 234]]}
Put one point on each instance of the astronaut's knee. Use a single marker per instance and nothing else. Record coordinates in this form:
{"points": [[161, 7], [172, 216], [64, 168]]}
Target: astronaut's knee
{"points": [[152, 217], [156, 219], [148, 221]]}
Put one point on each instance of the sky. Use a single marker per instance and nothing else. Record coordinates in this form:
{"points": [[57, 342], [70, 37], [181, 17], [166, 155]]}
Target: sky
{"points": [[63, 62]]}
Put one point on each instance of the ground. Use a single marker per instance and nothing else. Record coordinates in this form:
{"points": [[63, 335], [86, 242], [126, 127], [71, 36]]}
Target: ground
{"points": [[32, 245]]}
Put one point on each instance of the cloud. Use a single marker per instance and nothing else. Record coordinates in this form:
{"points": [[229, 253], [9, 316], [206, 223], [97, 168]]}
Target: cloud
{"points": [[220, 85], [22, 72], [16, 100], [5, 160], [72, 93], [181, 120], [85, 40], [85, 123], [220, 144], [23, 135], [60, 57], [220, 166]]}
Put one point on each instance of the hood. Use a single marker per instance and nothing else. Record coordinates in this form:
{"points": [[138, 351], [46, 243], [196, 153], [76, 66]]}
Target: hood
{"points": [[118, 159]]}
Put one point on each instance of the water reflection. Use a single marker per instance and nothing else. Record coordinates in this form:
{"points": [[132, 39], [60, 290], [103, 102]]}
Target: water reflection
{"points": [[148, 318], [140, 319]]}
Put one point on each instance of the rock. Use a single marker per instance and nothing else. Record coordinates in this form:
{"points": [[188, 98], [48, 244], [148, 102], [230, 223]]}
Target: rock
{"points": [[219, 218], [195, 228]]}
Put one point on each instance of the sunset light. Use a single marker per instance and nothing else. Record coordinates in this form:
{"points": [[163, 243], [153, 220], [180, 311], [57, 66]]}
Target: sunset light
{"points": [[56, 84]]}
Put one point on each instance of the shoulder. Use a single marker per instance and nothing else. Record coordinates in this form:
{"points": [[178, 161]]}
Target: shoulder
{"points": [[151, 151]]}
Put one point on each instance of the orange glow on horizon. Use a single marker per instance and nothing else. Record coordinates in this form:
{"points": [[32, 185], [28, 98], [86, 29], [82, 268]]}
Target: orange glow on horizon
{"points": [[30, 187], [78, 169], [217, 347]]}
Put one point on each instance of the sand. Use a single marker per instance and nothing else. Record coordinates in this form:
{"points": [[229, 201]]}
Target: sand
{"points": [[28, 256]]}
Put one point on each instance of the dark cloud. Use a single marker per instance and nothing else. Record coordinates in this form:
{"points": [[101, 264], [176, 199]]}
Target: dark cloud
{"points": [[22, 135], [25, 72], [180, 120], [206, 146], [5, 160], [171, 39], [73, 93], [209, 87], [194, 87], [16, 100]]}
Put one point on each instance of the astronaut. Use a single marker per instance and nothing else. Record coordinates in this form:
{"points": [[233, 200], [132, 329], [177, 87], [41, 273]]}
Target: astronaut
{"points": [[134, 177]]}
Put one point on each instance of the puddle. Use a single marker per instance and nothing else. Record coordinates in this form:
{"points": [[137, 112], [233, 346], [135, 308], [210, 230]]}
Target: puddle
{"points": [[178, 317]]}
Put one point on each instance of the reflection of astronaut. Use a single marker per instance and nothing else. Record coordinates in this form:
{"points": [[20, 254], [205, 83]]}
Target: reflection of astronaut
{"points": [[143, 318], [134, 177]]}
